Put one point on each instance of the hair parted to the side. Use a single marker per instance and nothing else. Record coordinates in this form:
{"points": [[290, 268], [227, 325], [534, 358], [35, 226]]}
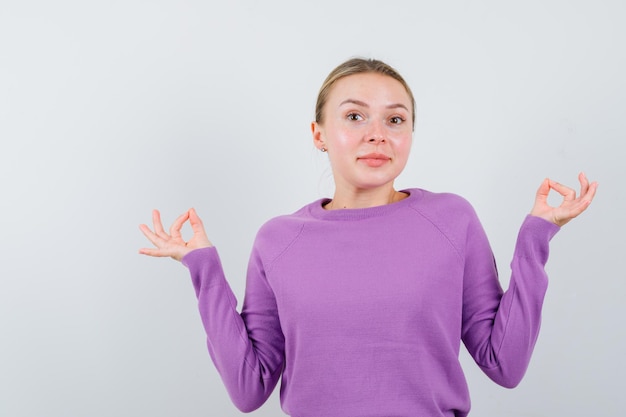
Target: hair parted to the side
{"points": [[358, 66]]}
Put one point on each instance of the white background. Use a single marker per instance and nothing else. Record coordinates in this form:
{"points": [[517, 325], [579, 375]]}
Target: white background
{"points": [[110, 109]]}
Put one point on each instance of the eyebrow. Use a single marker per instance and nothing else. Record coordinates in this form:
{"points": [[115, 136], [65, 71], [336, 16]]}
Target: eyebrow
{"points": [[364, 104]]}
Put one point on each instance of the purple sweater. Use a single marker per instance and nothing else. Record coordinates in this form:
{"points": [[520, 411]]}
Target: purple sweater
{"points": [[362, 311]]}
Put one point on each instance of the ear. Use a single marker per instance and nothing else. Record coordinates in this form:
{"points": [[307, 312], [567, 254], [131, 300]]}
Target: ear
{"points": [[318, 135]]}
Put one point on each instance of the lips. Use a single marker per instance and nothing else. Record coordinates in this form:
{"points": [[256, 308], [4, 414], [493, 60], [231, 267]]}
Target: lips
{"points": [[374, 159]]}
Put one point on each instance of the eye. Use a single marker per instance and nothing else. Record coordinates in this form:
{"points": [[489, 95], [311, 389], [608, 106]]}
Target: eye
{"points": [[354, 117], [396, 120]]}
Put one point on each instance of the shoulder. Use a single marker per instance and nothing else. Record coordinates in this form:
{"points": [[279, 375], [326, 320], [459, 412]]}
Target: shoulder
{"points": [[278, 233], [445, 206], [450, 213], [453, 216], [288, 224]]}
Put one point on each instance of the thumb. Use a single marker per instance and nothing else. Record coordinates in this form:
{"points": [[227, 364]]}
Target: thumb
{"points": [[544, 189], [194, 219], [198, 229]]}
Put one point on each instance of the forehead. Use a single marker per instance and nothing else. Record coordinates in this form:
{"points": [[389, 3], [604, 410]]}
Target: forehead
{"points": [[370, 87]]}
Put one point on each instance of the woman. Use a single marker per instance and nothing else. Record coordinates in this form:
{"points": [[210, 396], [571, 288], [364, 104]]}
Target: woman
{"points": [[360, 302]]}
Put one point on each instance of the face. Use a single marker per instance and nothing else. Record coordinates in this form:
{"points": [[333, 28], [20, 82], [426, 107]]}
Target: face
{"points": [[367, 131]]}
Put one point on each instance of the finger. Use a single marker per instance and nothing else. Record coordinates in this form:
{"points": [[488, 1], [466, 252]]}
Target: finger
{"points": [[574, 210], [582, 203], [541, 196], [200, 239], [567, 193], [153, 252], [195, 221], [543, 190], [587, 198], [178, 225], [158, 225], [584, 183], [152, 237]]}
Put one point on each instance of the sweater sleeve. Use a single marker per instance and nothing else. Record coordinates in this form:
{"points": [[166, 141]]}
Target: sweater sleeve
{"points": [[500, 329], [248, 348]]}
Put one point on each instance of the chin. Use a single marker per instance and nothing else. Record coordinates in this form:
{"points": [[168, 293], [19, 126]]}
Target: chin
{"points": [[371, 183]]}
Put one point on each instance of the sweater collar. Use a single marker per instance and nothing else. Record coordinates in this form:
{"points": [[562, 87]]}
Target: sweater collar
{"points": [[317, 208]]}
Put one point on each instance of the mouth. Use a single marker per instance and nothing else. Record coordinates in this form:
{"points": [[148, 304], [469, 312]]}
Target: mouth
{"points": [[374, 159]]}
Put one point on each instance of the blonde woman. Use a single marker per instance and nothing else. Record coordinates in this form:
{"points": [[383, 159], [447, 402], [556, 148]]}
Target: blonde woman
{"points": [[360, 302]]}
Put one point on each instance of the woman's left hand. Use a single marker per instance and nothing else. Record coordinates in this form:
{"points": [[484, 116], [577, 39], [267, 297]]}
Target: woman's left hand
{"points": [[571, 206]]}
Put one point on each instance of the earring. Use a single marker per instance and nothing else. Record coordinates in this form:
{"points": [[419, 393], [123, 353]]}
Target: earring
{"points": [[323, 149]]}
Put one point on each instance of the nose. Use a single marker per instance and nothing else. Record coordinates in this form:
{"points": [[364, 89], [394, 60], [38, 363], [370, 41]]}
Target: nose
{"points": [[376, 134], [376, 139]]}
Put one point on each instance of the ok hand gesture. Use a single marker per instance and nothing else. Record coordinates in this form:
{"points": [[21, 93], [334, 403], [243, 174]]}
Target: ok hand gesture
{"points": [[173, 244], [571, 206]]}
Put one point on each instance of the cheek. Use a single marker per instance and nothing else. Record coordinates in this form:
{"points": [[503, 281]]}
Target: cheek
{"points": [[403, 144], [344, 137]]}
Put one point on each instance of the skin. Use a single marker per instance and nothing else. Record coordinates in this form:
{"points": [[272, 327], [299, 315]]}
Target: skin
{"points": [[172, 244], [365, 114], [570, 207]]}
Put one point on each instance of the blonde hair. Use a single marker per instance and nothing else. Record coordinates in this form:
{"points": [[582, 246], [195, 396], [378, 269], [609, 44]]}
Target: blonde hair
{"points": [[358, 66]]}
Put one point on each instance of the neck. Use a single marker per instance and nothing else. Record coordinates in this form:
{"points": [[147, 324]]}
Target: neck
{"points": [[354, 199]]}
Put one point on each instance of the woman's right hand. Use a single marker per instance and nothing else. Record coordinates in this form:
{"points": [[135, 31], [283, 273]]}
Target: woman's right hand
{"points": [[173, 244]]}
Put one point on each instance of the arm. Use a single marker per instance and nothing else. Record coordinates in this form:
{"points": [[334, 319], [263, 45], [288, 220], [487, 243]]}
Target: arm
{"points": [[247, 349], [500, 329]]}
